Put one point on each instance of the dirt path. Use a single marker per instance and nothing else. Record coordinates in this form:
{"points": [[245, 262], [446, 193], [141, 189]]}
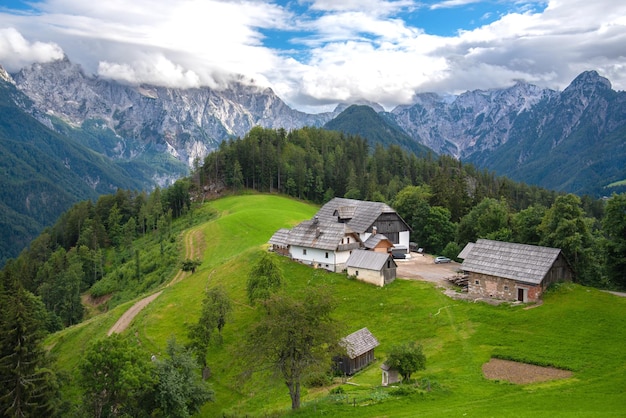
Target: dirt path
{"points": [[191, 250], [130, 314]]}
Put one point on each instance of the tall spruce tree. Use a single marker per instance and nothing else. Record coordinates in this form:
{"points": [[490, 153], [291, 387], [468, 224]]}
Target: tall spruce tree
{"points": [[27, 387]]}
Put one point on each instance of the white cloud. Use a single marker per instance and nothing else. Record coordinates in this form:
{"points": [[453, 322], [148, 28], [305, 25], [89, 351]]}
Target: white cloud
{"points": [[16, 52], [355, 49]]}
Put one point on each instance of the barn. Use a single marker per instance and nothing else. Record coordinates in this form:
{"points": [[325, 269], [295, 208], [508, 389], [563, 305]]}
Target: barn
{"points": [[367, 219], [359, 347], [372, 267], [513, 272]]}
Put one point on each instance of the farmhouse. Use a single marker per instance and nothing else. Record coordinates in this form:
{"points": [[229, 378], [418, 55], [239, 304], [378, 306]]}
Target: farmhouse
{"points": [[359, 347], [320, 244], [372, 267], [509, 271], [340, 227]]}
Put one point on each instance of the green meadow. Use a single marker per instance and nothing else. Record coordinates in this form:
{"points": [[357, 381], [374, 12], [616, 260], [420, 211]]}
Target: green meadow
{"points": [[576, 328]]}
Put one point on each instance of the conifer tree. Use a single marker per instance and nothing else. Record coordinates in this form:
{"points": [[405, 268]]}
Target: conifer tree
{"points": [[27, 387]]}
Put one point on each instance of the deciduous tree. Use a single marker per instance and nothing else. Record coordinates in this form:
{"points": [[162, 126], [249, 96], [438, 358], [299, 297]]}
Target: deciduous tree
{"points": [[296, 338], [115, 376], [614, 227], [407, 359], [264, 279]]}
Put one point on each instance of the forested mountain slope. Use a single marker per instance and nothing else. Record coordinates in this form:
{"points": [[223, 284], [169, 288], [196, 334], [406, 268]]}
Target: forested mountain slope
{"points": [[43, 173]]}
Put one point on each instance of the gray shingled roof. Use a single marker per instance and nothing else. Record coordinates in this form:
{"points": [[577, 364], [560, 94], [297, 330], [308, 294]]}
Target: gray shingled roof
{"points": [[320, 234], [280, 237], [521, 262], [359, 342], [463, 254], [362, 214], [369, 260], [374, 240]]}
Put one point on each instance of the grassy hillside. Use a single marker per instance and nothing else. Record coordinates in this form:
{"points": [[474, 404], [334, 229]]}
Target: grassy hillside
{"points": [[576, 328]]}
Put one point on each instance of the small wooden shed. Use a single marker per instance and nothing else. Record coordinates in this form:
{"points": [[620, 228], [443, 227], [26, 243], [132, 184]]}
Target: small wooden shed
{"points": [[515, 272], [378, 243], [359, 347], [279, 243], [372, 267]]}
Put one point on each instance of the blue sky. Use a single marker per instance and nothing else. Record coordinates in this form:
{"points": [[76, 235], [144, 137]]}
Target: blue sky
{"points": [[317, 53]]}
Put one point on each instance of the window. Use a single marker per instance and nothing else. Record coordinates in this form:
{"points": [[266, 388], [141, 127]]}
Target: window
{"points": [[476, 282], [348, 240], [506, 288], [326, 254], [356, 273], [304, 251]]}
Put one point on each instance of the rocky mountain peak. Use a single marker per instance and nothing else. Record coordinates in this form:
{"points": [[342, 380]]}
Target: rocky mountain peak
{"points": [[5, 76]]}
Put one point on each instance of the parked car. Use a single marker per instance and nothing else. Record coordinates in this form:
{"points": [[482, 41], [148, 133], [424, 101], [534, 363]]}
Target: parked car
{"points": [[440, 259]]}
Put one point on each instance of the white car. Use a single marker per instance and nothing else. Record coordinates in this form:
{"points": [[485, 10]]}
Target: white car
{"points": [[440, 260]]}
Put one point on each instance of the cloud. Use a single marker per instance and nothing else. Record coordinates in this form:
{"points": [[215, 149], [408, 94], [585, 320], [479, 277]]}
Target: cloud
{"points": [[16, 52], [335, 51]]}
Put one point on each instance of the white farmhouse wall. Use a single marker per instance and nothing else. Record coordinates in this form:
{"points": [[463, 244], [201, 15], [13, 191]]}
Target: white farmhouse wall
{"points": [[405, 238], [336, 261], [367, 276]]}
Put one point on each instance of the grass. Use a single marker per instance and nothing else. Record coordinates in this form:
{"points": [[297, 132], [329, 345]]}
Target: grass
{"points": [[576, 328], [617, 183]]}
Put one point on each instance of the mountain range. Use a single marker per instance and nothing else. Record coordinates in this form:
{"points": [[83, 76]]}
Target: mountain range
{"points": [[80, 135]]}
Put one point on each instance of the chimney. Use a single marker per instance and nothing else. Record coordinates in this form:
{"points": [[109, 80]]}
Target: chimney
{"points": [[374, 230]]}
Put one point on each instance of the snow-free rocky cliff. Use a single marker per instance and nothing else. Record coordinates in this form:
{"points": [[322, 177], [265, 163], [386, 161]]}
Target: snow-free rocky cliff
{"points": [[187, 123], [510, 130]]}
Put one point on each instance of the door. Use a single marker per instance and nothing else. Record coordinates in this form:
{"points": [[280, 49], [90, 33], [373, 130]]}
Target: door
{"points": [[520, 295]]}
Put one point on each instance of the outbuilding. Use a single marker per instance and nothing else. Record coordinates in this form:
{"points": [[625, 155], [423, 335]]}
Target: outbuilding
{"points": [[359, 347], [514, 272], [372, 267]]}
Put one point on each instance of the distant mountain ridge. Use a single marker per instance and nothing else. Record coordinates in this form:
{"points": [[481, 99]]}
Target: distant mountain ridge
{"points": [[185, 123], [377, 128], [506, 130], [571, 141]]}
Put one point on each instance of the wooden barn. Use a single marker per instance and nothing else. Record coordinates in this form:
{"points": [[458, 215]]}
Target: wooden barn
{"points": [[359, 347], [372, 267], [514, 272]]}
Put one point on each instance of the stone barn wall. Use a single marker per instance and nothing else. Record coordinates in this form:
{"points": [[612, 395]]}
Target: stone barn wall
{"points": [[486, 286]]}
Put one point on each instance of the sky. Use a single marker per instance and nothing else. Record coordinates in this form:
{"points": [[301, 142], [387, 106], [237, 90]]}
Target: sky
{"points": [[317, 53]]}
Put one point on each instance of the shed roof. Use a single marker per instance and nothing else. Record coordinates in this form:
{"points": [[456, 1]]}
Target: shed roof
{"points": [[521, 262], [280, 237], [359, 214], [374, 240], [369, 260], [359, 342], [463, 254], [319, 234]]}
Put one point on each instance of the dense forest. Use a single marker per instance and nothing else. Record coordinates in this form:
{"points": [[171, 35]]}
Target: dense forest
{"points": [[95, 248]]}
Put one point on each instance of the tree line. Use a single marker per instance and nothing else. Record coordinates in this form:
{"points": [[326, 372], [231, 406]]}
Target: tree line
{"points": [[446, 202]]}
